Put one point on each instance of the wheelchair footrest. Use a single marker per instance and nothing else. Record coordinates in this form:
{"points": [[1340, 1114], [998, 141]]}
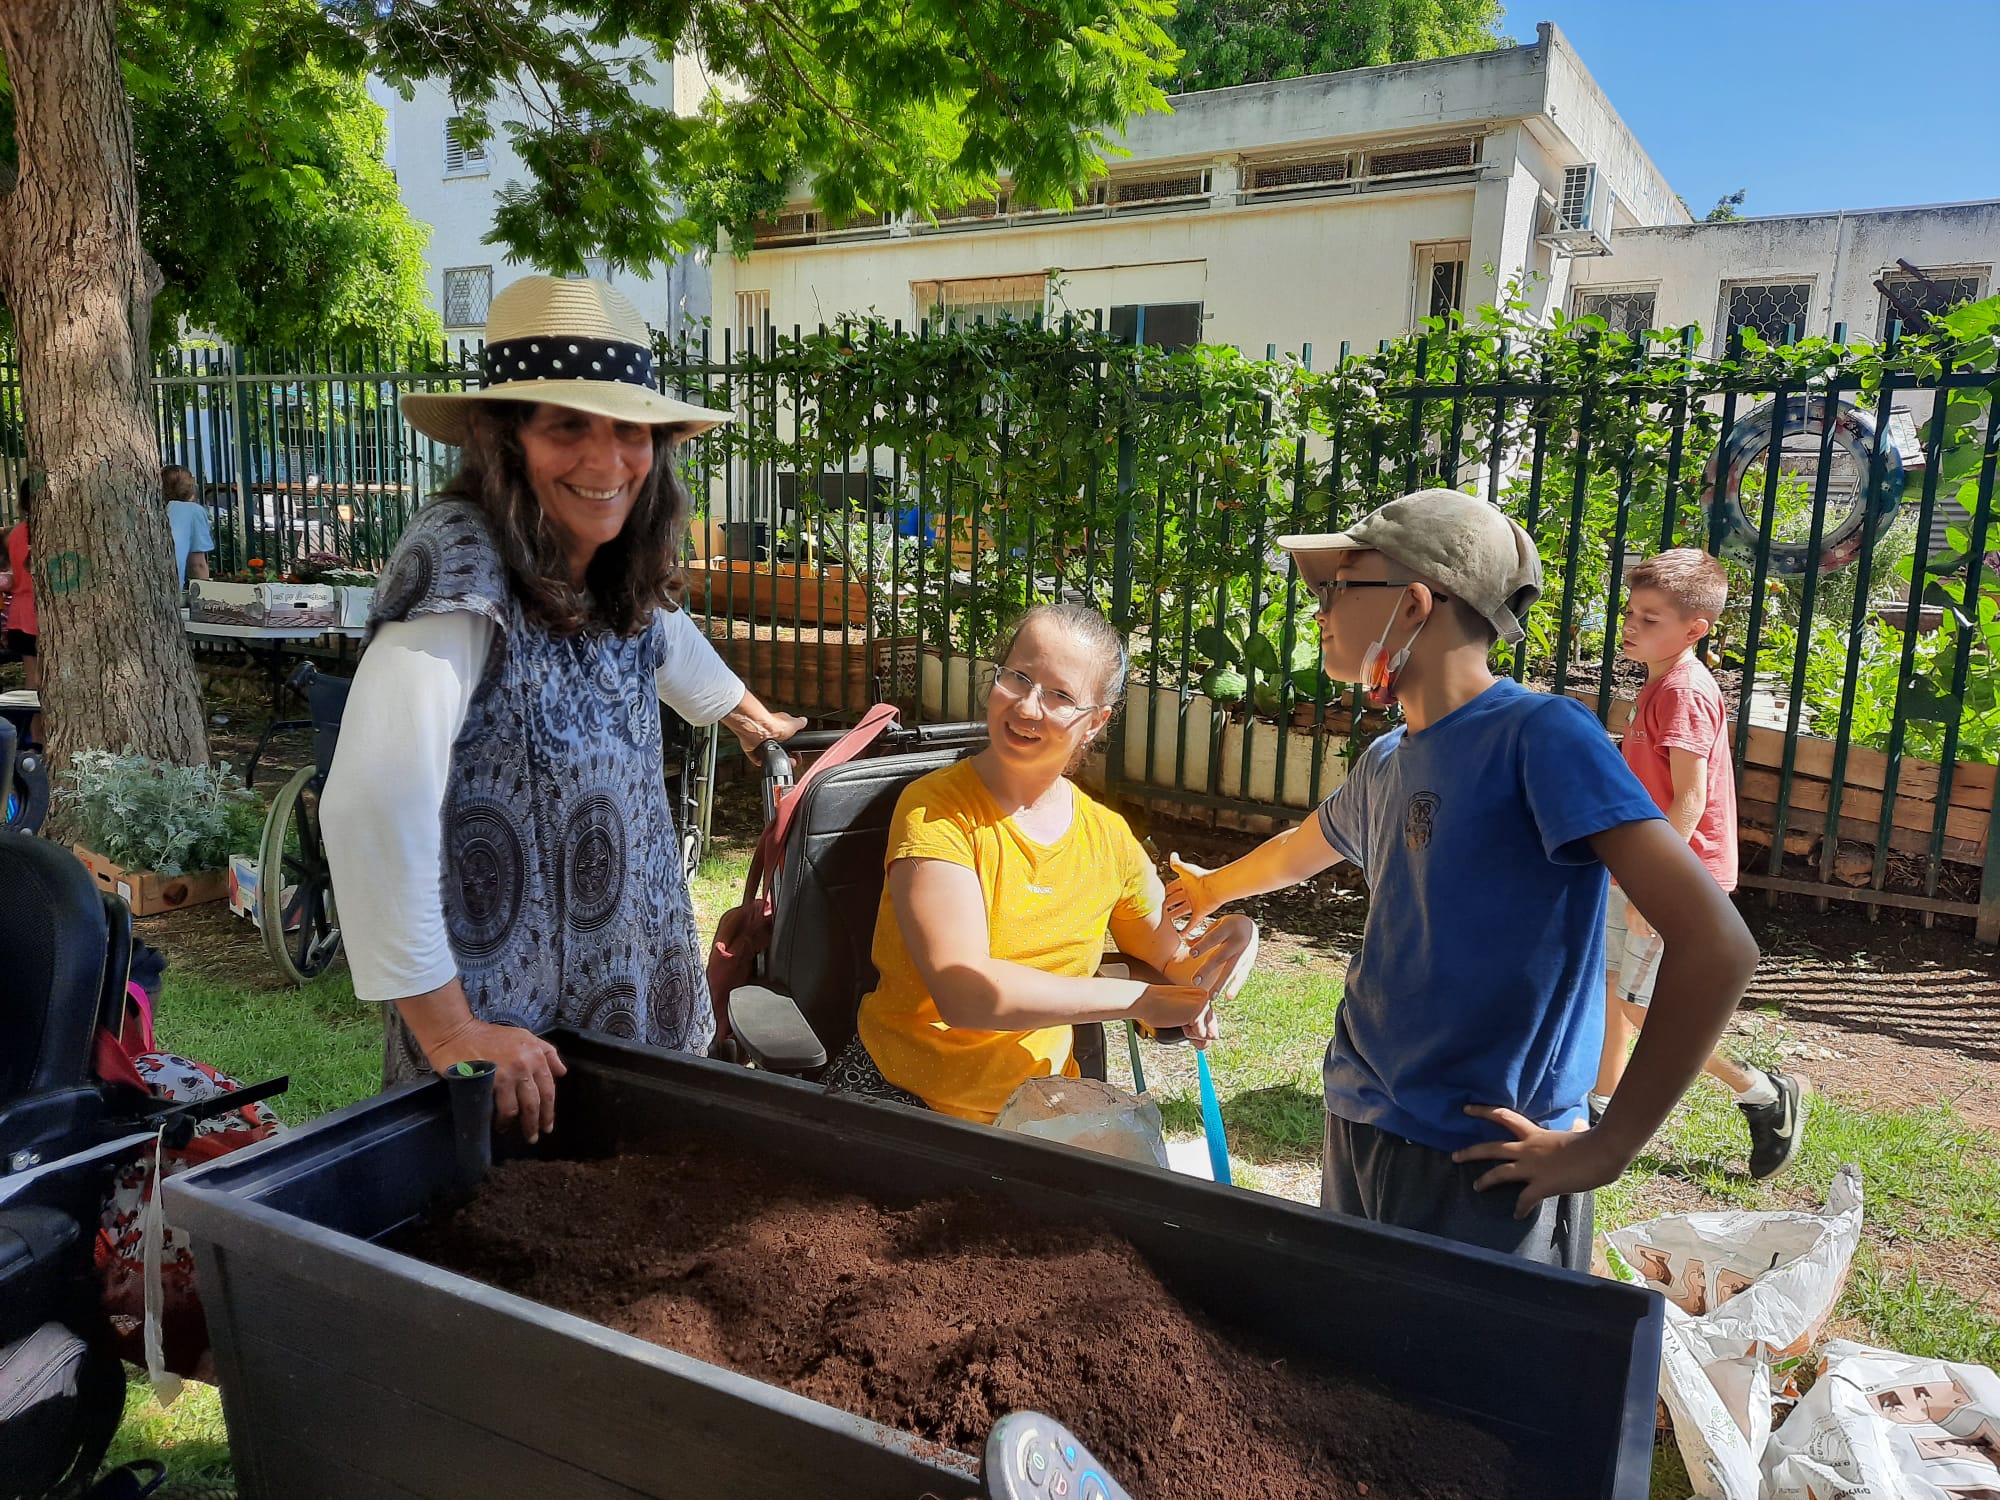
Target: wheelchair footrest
{"points": [[772, 1032]]}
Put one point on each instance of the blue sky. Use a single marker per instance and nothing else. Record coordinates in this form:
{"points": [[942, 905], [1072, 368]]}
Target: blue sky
{"points": [[1833, 104]]}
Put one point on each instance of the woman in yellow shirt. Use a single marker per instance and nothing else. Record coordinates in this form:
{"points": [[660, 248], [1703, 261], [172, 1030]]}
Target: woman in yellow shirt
{"points": [[1004, 879]]}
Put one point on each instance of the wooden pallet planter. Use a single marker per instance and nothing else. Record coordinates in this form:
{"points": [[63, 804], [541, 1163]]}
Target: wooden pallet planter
{"points": [[817, 672], [147, 891], [1967, 814], [777, 593]]}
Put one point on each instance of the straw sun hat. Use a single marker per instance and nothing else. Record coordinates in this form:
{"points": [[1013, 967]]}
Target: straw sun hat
{"points": [[578, 344]]}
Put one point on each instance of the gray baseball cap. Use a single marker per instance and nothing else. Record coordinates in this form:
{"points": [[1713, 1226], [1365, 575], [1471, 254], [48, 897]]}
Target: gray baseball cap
{"points": [[1470, 549]]}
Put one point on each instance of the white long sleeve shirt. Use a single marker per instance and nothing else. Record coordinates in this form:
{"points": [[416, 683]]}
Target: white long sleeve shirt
{"points": [[380, 813]]}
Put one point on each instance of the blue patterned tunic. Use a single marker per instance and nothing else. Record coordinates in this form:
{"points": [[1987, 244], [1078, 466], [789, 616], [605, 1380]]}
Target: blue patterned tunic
{"points": [[564, 897]]}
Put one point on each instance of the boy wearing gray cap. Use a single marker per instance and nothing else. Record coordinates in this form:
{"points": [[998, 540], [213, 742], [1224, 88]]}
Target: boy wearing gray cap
{"points": [[1470, 1029]]}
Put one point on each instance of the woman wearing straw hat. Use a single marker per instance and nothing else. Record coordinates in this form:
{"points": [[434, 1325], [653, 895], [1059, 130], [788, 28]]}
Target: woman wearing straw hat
{"points": [[496, 817]]}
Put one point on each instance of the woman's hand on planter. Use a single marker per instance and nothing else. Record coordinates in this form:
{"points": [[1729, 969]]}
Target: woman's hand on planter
{"points": [[525, 1067], [524, 1085]]}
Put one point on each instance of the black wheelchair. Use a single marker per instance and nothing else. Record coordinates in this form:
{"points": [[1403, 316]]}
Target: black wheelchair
{"points": [[26, 803], [64, 1133], [296, 911], [802, 1007]]}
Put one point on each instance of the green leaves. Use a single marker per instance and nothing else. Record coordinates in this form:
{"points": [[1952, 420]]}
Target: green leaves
{"points": [[146, 815], [1229, 42]]}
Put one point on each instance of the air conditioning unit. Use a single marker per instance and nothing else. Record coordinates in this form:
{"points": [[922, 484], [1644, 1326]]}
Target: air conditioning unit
{"points": [[1583, 217]]}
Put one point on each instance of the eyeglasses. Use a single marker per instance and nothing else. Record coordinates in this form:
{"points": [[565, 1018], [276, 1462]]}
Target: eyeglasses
{"points": [[1059, 706], [1333, 588]]}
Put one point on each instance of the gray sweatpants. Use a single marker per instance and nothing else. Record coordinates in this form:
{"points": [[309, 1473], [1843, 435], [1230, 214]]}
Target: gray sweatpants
{"points": [[1371, 1174]]}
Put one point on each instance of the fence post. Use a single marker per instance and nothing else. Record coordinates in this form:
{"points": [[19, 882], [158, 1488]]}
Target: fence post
{"points": [[239, 387], [1121, 542]]}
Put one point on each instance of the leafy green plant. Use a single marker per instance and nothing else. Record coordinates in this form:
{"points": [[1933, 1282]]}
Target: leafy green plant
{"points": [[147, 815]]}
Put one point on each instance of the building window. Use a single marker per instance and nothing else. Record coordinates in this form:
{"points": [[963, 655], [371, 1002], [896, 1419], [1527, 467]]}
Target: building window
{"points": [[596, 268], [1913, 297], [753, 321], [462, 159], [1439, 283], [467, 291], [1770, 307], [957, 305], [1157, 325], [1624, 309]]}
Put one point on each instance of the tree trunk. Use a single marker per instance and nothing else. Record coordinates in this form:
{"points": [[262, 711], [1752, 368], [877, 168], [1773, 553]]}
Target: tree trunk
{"points": [[115, 664]]}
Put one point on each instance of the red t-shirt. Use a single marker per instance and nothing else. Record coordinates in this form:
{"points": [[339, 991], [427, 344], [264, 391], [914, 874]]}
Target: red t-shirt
{"points": [[1684, 711], [21, 613]]}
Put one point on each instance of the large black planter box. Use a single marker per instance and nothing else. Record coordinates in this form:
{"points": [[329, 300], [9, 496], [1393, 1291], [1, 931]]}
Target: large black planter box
{"points": [[348, 1369]]}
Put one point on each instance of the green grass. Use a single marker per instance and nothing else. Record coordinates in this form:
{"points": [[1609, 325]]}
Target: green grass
{"points": [[1266, 1066], [1925, 1173], [326, 1040], [188, 1437]]}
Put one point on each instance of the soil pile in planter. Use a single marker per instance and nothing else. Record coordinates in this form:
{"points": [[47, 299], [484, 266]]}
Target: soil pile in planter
{"points": [[942, 1316]]}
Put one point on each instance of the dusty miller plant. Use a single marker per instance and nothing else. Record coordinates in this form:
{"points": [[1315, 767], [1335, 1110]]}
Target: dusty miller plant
{"points": [[146, 815]]}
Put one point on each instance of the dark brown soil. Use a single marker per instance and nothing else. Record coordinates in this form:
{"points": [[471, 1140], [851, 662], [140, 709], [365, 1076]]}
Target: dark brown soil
{"points": [[940, 1317]]}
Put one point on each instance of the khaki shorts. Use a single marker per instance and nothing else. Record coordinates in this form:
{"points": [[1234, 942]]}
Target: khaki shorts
{"points": [[1631, 962]]}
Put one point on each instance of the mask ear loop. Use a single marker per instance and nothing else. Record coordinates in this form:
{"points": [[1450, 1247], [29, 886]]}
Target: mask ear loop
{"points": [[1379, 670]]}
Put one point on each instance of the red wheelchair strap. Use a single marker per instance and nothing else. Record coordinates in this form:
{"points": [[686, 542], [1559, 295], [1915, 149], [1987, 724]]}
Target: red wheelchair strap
{"points": [[771, 843]]}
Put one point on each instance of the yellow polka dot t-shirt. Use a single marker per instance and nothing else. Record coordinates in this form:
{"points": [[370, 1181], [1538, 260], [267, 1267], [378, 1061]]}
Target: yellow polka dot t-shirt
{"points": [[1048, 906]]}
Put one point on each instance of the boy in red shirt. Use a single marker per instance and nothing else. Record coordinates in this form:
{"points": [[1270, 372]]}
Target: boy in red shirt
{"points": [[1678, 746]]}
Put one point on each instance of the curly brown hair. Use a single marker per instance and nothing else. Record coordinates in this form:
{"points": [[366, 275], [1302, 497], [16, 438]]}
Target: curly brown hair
{"points": [[628, 579]]}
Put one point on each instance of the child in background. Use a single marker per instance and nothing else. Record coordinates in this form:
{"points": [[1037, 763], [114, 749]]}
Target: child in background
{"points": [[1678, 746], [1464, 1044]]}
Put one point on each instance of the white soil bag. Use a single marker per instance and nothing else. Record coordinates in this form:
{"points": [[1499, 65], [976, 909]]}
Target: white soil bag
{"points": [[1882, 1426], [1745, 1291]]}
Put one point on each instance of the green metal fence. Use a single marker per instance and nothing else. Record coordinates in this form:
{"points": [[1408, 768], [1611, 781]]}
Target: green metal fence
{"points": [[886, 499]]}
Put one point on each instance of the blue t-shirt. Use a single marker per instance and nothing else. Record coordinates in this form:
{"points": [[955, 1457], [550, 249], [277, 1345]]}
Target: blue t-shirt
{"points": [[1480, 978], [191, 533]]}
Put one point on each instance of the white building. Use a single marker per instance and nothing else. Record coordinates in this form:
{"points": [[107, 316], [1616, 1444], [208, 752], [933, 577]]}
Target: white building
{"points": [[1311, 210], [1813, 273], [454, 189]]}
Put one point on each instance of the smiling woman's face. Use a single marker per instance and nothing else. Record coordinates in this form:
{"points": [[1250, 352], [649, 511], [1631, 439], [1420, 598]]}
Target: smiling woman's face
{"points": [[586, 471]]}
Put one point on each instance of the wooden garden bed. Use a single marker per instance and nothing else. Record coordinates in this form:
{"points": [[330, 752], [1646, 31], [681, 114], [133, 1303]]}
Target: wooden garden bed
{"points": [[818, 672], [777, 593]]}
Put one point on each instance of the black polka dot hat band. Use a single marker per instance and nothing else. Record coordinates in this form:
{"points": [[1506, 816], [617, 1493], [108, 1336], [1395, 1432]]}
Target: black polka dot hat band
{"points": [[567, 359], [576, 344]]}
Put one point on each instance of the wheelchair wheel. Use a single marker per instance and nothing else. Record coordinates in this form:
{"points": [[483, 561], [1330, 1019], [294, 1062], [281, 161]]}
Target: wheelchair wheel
{"points": [[294, 885], [28, 799]]}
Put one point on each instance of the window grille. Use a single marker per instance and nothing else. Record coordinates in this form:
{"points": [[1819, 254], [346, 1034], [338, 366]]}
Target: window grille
{"points": [[1624, 309], [1770, 307], [799, 226], [1915, 300], [467, 292], [1438, 156], [1169, 189], [1286, 176]]}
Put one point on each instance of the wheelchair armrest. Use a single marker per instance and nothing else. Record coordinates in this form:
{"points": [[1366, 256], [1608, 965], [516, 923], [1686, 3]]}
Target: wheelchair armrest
{"points": [[772, 1032], [33, 1243]]}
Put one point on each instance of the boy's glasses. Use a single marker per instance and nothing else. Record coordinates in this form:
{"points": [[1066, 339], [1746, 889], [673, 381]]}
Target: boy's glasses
{"points": [[1059, 706], [1333, 588]]}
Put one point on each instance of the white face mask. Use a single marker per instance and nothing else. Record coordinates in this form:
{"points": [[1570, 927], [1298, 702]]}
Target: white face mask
{"points": [[1379, 670]]}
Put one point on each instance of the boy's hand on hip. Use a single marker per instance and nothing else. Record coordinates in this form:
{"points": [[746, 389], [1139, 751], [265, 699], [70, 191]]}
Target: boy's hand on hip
{"points": [[1188, 897], [1546, 1163]]}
